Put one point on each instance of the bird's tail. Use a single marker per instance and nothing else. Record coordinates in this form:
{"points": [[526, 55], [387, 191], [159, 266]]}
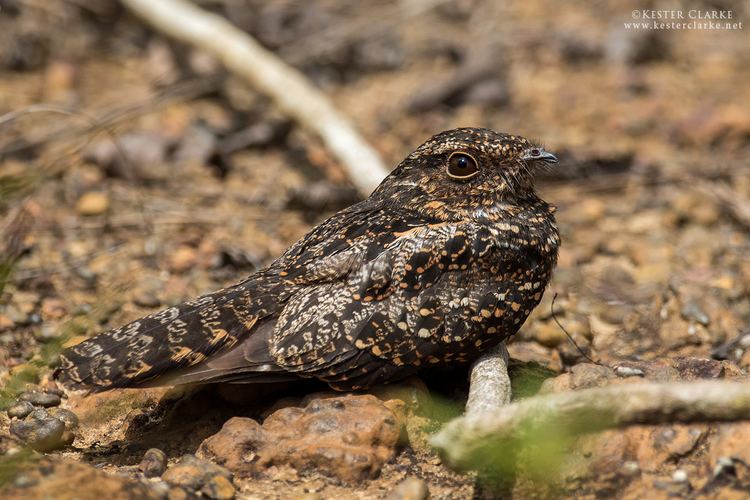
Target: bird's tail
{"points": [[177, 337]]}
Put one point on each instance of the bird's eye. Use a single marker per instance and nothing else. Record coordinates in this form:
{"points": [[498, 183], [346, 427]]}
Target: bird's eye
{"points": [[535, 152], [462, 166]]}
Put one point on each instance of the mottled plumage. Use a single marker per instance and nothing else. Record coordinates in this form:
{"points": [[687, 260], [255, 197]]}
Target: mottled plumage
{"points": [[444, 260]]}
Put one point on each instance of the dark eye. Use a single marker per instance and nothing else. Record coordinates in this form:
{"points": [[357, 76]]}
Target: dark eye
{"points": [[535, 152], [462, 166]]}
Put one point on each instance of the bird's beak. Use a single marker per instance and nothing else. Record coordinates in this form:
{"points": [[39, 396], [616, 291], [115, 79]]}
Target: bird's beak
{"points": [[542, 156], [548, 157]]}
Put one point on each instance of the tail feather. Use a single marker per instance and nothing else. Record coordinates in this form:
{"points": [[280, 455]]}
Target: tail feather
{"points": [[248, 361], [174, 338]]}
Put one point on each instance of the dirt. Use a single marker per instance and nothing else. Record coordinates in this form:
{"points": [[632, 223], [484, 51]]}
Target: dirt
{"points": [[195, 181]]}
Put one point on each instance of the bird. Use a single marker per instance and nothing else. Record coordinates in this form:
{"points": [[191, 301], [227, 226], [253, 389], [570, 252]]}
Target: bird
{"points": [[442, 262]]}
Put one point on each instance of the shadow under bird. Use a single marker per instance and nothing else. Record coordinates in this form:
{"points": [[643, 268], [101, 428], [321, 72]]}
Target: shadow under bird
{"points": [[444, 260]]}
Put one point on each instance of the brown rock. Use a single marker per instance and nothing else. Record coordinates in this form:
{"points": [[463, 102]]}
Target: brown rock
{"points": [[561, 383], [602, 454], [697, 368], [69, 480], [218, 488], [585, 375], [154, 463], [40, 431], [658, 370], [348, 437], [193, 473], [20, 409], [236, 446], [533, 352]]}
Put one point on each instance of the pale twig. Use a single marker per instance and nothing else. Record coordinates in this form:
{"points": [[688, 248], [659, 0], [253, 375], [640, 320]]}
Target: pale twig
{"points": [[489, 389], [291, 92], [592, 410]]}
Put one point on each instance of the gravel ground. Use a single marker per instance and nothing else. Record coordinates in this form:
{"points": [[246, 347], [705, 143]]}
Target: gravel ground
{"points": [[196, 181]]}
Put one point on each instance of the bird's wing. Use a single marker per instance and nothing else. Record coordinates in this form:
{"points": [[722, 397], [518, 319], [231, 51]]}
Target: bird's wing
{"points": [[334, 304], [214, 336], [416, 296]]}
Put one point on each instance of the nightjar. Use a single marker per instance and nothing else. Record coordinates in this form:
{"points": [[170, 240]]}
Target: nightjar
{"points": [[444, 260]]}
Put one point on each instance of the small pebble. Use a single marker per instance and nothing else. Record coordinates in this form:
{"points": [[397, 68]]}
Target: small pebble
{"points": [[627, 371], [20, 409], [745, 341], [218, 488], [692, 311], [40, 431], [146, 299], [154, 463], [43, 399], [92, 203], [680, 476], [177, 493], [411, 488], [86, 274], [631, 468], [53, 388], [182, 259], [193, 473]]}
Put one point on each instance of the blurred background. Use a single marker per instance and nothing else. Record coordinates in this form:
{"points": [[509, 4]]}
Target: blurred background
{"points": [[135, 172]]}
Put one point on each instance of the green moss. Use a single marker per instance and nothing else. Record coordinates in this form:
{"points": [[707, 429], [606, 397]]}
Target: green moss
{"points": [[17, 382], [6, 269], [11, 465]]}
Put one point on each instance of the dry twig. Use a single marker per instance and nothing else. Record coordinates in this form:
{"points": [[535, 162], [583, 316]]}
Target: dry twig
{"points": [[284, 85], [591, 410], [489, 389]]}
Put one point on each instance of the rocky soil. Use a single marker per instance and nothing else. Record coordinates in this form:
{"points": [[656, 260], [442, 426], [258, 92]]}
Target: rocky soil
{"points": [[195, 181]]}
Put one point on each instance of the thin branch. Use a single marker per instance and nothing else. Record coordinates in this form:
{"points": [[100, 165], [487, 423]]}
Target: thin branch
{"points": [[567, 334], [284, 85], [489, 389], [592, 410]]}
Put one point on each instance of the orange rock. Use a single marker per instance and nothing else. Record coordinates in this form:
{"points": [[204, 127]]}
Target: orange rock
{"points": [[69, 480], [348, 437]]}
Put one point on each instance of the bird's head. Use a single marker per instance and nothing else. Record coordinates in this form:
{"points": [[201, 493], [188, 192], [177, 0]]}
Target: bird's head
{"points": [[468, 167]]}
